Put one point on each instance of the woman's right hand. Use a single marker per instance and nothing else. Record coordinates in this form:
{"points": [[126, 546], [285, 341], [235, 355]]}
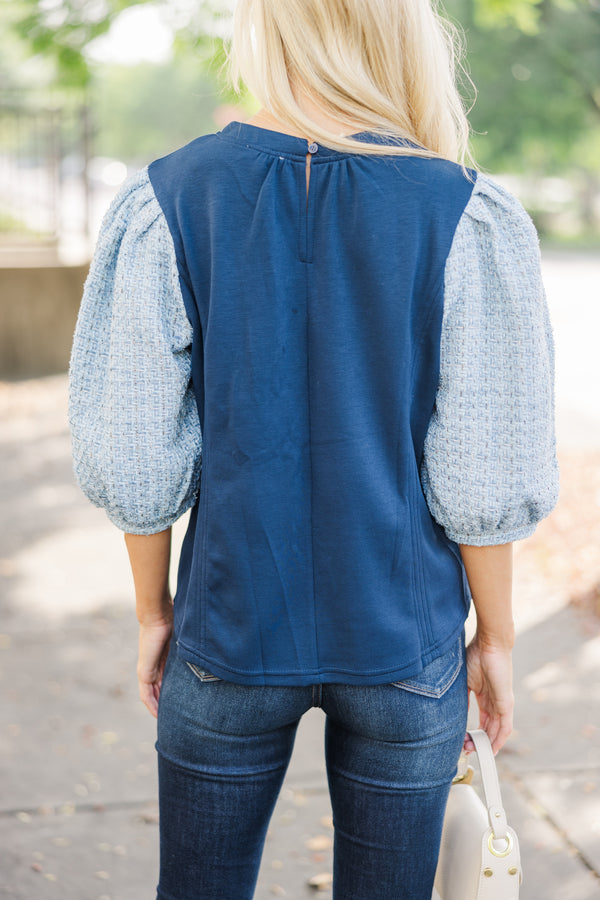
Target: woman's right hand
{"points": [[489, 676]]}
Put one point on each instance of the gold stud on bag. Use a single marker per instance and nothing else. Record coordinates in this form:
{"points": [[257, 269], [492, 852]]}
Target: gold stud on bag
{"points": [[479, 854]]}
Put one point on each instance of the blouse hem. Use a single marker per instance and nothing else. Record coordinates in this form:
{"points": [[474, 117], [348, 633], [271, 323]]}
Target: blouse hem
{"points": [[332, 675]]}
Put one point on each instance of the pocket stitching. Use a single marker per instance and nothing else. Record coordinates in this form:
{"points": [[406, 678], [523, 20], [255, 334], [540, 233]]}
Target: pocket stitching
{"points": [[427, 691], [202, 674]]}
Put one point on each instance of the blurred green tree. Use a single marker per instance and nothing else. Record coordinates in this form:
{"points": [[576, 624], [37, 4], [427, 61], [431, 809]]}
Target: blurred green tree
{"points": [[60, 31], [539, 87]]}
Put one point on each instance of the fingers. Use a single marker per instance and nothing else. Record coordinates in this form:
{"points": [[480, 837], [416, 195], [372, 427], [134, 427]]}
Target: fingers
{"points": [[149, 694], [503, 732], [492, 732], [498, 727], [498, 730], [498, 724]]}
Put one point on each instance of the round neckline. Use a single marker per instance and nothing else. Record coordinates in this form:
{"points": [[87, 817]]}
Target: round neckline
{"points": [[280, 141]]}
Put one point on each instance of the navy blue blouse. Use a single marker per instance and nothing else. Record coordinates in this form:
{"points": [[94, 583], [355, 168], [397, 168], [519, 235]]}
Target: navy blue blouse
{"points": [[312, 554]]}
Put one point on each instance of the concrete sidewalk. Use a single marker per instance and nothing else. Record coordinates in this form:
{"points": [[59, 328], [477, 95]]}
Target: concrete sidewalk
{"points": [[78, 811]]}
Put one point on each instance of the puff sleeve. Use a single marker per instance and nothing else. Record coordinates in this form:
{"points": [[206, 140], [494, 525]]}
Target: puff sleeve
{"points": [[136, 441], [489, 470]]}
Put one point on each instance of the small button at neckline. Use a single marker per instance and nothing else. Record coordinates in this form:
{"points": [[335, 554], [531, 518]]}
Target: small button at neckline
{"points": [[312, 148]]}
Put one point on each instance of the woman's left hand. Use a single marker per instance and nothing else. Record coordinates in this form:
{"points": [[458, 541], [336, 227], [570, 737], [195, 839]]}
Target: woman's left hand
{"points": [[155, 637]]}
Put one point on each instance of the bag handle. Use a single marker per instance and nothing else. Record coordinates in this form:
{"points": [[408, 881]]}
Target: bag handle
{"points": [[491, 785]]}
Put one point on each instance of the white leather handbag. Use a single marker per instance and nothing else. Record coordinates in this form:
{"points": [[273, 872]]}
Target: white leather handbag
{"points": [[479, 854]]}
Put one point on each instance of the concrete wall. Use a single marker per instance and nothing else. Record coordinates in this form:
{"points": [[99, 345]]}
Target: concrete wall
{"points": [[38, 311]]}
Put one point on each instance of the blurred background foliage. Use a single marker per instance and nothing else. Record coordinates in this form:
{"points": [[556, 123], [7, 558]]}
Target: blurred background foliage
{"points": [[535, 65]]}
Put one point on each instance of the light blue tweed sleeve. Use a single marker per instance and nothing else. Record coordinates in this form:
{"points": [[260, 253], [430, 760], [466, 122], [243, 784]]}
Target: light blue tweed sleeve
{"points": [[489, 469], [136, 441]]}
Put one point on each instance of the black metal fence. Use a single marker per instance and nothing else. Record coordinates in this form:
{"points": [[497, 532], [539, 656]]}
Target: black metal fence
{"points": [[44, 155]]}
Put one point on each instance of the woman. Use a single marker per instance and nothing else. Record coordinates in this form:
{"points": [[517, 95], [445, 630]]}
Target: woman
{"points": [[328, 338]]}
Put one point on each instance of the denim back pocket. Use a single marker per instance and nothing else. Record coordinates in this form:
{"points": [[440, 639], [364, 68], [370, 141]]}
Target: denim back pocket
{"points": [[202, 674], [439, 675]]}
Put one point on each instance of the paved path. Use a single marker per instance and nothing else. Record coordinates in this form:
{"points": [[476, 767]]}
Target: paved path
{"points": [[78, 813]]}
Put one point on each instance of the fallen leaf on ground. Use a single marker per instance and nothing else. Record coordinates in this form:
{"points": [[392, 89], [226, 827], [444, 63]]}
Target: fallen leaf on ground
{"points": [[320, 842]]}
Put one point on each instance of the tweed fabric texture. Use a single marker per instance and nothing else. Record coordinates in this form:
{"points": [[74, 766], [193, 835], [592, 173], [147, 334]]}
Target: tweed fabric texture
{"points": [[134, 423], [489, 470]]}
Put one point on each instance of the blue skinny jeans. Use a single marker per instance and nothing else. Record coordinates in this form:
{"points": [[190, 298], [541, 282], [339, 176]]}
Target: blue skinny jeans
{"points": [[391, 753]]}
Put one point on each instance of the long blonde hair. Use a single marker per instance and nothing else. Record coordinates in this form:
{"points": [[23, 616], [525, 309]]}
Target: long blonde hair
{"points": [[388, 64]]}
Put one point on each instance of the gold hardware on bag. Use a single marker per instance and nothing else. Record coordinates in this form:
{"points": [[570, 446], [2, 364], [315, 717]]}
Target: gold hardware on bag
{"points": [[488, 873], [513, 870], [465, 778], [506, 851]]}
